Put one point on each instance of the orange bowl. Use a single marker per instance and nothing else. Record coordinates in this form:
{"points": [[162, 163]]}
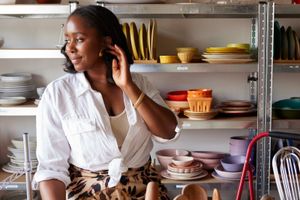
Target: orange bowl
{"points": [[180, 95], [200, 92]]}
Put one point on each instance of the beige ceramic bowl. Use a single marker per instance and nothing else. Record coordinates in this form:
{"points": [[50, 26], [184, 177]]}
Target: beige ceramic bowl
{"points": [[187, 49], [185, 57]]}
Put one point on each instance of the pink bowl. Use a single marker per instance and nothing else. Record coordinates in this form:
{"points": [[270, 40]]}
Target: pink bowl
{"points": [[208, 154], [165, 156], [183, 161], [209, 163]]}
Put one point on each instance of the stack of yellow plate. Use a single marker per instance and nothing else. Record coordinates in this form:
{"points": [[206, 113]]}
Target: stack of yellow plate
{"points": [[233, 53]]}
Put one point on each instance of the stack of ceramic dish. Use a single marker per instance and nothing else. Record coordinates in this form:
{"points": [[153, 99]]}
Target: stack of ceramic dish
{"points": [[230, 168], [286, 44], [200, 103], [165, 156], [233, 53], [184, 168], [142, 43], [17, 85], [17, 157], [237, 107], [177, 101], [210, 159]]}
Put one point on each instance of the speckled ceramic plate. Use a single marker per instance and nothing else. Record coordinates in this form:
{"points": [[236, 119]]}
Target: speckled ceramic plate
{"points": [[165, 174]]}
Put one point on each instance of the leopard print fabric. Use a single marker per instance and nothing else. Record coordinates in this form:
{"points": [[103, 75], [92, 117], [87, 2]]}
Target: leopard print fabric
{"points": [[87, 185]]}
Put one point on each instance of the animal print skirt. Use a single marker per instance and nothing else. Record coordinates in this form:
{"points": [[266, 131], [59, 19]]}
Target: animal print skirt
{"points": [[87, 185]]}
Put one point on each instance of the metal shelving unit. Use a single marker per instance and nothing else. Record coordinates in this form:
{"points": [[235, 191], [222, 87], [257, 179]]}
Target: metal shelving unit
{"points": [[258, 14]]}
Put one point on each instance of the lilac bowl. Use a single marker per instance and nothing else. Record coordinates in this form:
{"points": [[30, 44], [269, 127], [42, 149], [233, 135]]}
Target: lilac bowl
{"points": [[233, 163]]}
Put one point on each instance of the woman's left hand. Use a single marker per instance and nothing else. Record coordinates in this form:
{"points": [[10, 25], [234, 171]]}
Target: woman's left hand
{"points": [[120, 67]]}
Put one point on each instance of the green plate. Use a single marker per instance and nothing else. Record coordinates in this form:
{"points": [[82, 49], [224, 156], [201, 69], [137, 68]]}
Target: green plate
{"points": [[291, 43], [277, 39], [284, 44]]}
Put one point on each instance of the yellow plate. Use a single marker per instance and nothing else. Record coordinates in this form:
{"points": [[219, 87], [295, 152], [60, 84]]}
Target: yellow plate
{"points": [[149, 31], [153, 40], [245, 46], [126, 31], [143, 41], [225, 50], [134, 38]]}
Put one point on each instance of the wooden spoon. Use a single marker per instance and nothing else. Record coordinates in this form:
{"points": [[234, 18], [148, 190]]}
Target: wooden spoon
{"points": [[194, 192], [267, 197], [152, 191], [216, 195], [181, 197]]}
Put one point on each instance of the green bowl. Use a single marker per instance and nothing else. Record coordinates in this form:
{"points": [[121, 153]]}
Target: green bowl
{"points": [[291, 103], [287, 108]]}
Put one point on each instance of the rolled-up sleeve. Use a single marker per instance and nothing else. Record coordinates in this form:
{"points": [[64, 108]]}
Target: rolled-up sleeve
{"points": [[53, 150]]}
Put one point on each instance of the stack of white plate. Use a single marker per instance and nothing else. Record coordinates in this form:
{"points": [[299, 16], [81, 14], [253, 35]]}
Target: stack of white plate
{"points": [[226, 55], [17, 85], [17, 157]]}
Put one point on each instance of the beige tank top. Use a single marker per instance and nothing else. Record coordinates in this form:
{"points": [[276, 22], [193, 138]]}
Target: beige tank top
{"points": [[120, 126]]}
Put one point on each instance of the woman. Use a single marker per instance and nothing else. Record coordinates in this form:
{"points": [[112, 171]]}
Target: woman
{"points": [[95, 125]]}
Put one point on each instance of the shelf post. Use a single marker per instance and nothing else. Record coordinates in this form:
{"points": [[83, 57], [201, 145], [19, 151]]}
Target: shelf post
{"points": [[27, 166], [265, 79]]}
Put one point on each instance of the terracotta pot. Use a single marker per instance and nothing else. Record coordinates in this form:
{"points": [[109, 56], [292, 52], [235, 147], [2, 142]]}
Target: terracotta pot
{"points": [[48, 1]]}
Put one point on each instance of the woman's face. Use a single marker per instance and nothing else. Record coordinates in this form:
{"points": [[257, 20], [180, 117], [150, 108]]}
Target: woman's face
{"points": [[83, 44]]}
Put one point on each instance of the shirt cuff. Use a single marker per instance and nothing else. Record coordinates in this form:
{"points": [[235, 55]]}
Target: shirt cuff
{"points": [[162, 140], [43, 175]]}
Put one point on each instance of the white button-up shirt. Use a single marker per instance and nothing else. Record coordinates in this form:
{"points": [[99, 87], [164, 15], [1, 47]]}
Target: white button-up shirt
{"points": [[73, 127]]}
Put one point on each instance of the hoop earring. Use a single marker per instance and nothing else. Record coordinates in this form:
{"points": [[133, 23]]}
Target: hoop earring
{"points": [[101, 53]]}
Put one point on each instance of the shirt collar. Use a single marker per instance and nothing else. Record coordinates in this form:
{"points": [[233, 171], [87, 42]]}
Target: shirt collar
{"points": [[83, 84]]}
